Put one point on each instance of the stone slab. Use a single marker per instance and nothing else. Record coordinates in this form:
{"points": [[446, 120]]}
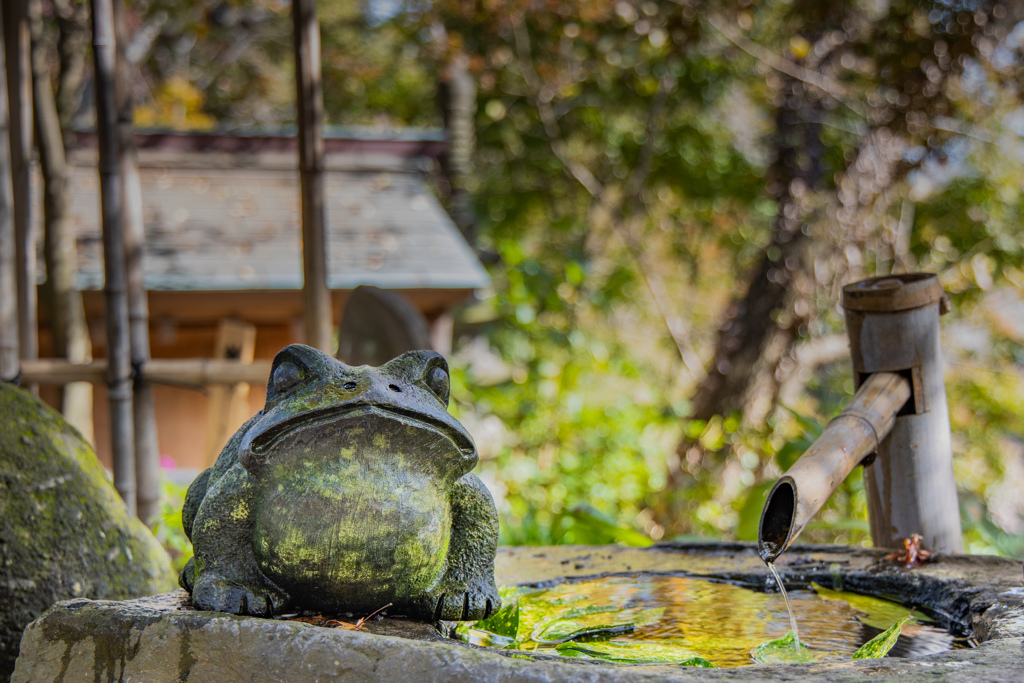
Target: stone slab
{"points": [[162, 639]]}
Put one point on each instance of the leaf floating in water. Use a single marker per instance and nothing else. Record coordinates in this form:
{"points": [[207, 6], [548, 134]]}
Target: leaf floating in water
{"points": [[784, 650], [878, 613], [664, 652], [564, 630], [880, 645], [478, 636], [504, 622], [595, 621]]}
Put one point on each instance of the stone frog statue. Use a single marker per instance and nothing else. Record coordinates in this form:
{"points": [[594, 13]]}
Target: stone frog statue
{"points": [[350, 490]]}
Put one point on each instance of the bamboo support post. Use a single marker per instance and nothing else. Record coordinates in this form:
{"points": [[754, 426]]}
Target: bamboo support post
{"points": [[147, 449], [893, 325], [196, 372], [8, 279], [119, 383], [19, 97], [316, 297], [851, 436]]}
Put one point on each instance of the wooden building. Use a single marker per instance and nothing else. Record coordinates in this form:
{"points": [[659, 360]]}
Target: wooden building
{"points": [[223, 260]]}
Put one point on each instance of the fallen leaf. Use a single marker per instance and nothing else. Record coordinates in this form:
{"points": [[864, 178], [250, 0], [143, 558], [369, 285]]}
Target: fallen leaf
{"points": [[912, 555]]}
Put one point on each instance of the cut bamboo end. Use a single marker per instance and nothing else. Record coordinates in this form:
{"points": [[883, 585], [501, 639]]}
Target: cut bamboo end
{"points": [[850, 437]]}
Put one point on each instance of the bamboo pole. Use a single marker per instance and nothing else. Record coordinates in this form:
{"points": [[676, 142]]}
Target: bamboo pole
{"points": [[19, 94], [196, 372], [850, 437], [316, 297], [119, 383], [147, 449], [8, 279], [893, 325]]}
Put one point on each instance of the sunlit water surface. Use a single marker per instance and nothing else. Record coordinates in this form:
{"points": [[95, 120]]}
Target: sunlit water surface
{"points": [[722, 622]]}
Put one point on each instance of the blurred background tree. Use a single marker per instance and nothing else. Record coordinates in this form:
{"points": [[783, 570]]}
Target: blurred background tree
{"points": [[673, 194]]}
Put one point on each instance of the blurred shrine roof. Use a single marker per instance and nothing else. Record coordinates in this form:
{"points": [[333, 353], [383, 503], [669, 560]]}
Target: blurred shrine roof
{"points": [[222, 212]]}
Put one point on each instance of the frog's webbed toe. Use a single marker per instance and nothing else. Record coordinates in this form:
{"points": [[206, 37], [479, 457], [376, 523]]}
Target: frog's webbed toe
{"points": [[221, 595]]}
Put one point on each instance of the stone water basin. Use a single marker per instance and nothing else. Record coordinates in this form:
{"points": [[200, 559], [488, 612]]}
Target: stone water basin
{"points": [[162, 639]]}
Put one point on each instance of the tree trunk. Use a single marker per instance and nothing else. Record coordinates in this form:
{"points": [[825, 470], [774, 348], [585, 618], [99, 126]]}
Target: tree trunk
{"points": [[9, 367], [316, 297], [67, 316], [751, 324], [73, 22], [457, 93]]}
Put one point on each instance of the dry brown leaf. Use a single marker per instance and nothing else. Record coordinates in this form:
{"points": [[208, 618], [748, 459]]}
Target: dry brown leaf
{"points": [[912, 555], [321, 620]]}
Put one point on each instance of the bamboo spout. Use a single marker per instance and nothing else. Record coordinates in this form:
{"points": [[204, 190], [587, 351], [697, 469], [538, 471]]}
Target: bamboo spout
{"points": [[850, 437]]}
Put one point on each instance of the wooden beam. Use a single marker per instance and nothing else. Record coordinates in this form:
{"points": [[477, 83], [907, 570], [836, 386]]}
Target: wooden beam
{"points": [[316, 297], [198, 372], [119, 369], [229, 404]]}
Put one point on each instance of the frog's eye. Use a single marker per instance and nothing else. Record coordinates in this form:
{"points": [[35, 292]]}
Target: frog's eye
{"points": [[439, 383], [287, 375]]}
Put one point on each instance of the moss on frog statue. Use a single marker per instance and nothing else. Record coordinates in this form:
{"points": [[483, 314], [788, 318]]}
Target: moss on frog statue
{"points": [[350, 490], [64, 531]]}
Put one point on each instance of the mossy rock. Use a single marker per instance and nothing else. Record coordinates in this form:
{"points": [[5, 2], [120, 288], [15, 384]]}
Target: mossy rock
{"points": [[64, 531]]}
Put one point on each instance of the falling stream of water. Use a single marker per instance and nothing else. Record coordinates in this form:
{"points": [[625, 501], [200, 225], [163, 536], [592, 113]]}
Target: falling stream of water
{"points": [[785, 595]]}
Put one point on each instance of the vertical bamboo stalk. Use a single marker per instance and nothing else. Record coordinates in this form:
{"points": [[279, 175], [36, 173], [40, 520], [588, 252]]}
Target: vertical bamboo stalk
{"points": [[893, 324], [316, 298], [147, 450], [119, 383], [8, 280], [19, 94]]}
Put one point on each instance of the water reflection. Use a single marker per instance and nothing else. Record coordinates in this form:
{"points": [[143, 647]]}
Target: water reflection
{"points": [[723, 622]]}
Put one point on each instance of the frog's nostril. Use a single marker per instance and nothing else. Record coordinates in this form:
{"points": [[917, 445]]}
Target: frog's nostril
{"points": [[395, 387]]}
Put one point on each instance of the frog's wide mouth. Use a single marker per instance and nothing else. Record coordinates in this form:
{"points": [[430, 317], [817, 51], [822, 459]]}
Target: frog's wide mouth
{"points": [[265, 440]]}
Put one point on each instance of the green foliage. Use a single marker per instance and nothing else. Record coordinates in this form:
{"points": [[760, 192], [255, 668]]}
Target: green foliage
{"points": [[166, 523], [624, 179]]}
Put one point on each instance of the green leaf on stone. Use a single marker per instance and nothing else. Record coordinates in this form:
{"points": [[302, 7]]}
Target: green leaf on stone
{"points": [[784, 650], [664, 652], [878, 613], [880, 645]]}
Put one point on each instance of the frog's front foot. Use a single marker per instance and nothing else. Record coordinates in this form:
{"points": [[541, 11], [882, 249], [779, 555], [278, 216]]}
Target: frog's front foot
{"points": [[464, 603], [218, 594]]}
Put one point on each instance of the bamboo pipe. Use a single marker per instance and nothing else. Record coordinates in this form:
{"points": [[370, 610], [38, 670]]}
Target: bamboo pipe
{"points": [[197, 371], [850, 437]]}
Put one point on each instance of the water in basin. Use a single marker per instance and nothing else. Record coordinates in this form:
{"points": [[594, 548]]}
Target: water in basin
{"points": [[667, 618]]}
